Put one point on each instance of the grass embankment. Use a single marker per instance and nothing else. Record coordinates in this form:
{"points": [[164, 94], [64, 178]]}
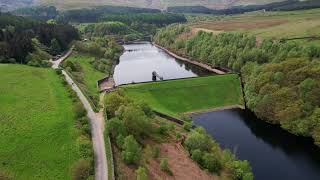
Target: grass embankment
{"points": [[109, 156], [188, 95], [87, 77], [37, 124], [274, 25]]}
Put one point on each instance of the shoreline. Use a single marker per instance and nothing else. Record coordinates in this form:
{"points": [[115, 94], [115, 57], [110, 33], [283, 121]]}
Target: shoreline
{"points": [[216, 109], [207, 67]]}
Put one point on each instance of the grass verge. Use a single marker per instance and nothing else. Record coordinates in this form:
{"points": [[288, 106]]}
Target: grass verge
{"points": [[86, 77]]}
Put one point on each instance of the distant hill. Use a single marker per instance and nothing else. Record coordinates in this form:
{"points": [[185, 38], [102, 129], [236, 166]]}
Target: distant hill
{"points": [[157, 4], [6, 5], [177, 5]]}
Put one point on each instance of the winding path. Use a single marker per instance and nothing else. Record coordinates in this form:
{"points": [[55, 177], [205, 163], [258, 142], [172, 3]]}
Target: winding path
{"points": [[96, 122]]}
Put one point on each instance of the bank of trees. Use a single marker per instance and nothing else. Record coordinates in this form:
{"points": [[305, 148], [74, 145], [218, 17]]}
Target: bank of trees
{"points": [[281, 78], [96, 14], [159, 19], [22, 37]]}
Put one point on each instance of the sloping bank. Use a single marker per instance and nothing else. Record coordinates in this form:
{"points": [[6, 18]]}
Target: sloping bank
{"points": [[190, 95]]}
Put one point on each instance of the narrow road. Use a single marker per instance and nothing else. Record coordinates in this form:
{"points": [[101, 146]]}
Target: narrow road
{"points": [[97, 126], [55, 64]]}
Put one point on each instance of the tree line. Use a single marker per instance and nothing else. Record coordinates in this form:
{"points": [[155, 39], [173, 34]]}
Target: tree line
{"points": [[288, 5], [281, 78], [95, 14]]}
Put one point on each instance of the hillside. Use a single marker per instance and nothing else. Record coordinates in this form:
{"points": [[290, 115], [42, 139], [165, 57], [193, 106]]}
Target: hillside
{"points": [[158, 4], [38, 135]]}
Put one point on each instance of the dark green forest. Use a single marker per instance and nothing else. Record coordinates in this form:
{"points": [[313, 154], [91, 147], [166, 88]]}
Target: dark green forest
{"points": [[28, 41], [282, 79]]}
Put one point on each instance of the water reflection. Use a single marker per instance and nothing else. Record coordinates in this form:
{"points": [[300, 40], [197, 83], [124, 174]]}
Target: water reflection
{"points": [[272, 152], [140, 59]]}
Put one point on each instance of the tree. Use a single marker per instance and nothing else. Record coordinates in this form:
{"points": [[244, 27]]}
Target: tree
{"points": [[113, 101], [306, 86], [131, 153], [55, 47], [198, 140], [116, 127], [135, 120], [141, 173]]}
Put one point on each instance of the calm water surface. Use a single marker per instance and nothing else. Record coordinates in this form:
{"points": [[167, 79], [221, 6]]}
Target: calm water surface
{"points": [[273, 153], [141, 59]]}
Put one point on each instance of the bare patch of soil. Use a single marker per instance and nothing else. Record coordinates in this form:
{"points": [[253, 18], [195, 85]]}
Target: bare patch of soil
{"points": [[180, 164]]}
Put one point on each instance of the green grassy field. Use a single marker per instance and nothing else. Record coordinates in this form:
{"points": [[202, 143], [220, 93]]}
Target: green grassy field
{"points": [[91, 75], [273, 25], [187, 95], [37, 124]]}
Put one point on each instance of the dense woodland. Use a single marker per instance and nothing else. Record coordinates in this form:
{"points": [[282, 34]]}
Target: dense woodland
{"points": [[281, 78], [38, 12], [29, 41], [95, 14]]}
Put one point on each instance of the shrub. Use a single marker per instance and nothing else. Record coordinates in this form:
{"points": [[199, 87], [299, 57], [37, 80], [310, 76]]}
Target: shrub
{"points": [[85, 147], [5, 176], [241, 170], [131, 153], [163, 129], [186, 118], [164, 166], [120, 141], [79, 110], [187, 126], [116, 127], [58, 71], [142, 173], [198, 140], [178, 136], [196, 155], [155, 152], [85, 130], [211, 162], [81, 170]]}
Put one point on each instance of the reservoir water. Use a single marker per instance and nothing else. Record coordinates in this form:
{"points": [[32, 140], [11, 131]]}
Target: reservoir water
{"points": [[139, 61], [273, 153]]}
